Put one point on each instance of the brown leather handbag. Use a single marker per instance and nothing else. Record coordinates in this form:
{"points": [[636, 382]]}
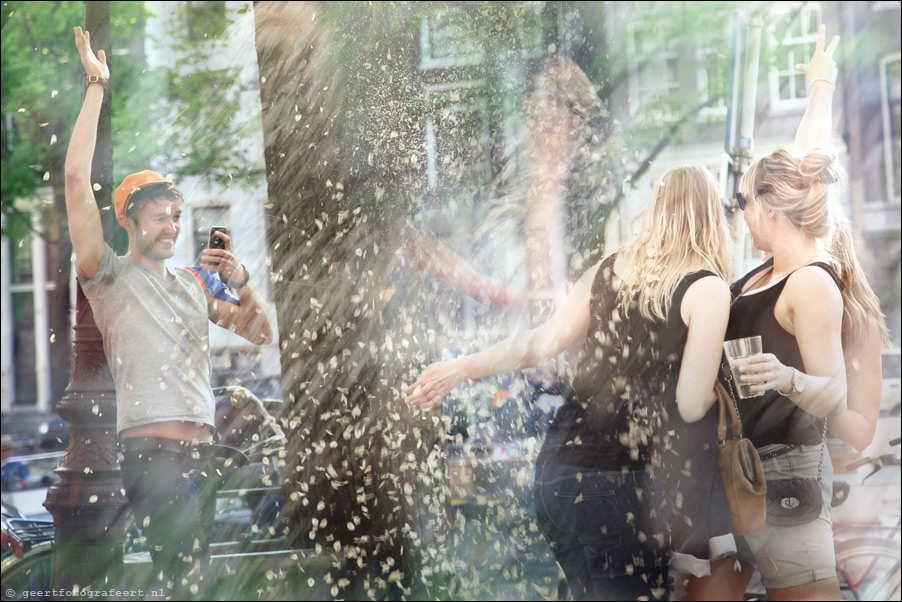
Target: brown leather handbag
{"points": [[740, 466]]}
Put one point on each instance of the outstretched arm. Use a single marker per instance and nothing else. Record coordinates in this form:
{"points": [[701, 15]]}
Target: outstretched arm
{"points": [[85, 227], [523, 350], [816, 128]]}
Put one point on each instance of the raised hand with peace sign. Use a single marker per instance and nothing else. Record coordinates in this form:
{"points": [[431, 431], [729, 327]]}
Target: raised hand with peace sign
{"points": [[821, 67]]}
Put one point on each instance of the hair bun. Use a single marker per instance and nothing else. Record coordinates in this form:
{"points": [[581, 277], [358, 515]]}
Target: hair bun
{"points": [[820, 166]]}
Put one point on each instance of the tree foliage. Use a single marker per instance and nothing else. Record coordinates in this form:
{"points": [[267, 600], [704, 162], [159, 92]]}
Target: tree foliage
{"points": [[41, 85]]}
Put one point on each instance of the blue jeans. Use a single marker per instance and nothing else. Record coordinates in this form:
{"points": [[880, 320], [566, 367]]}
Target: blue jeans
{"points": [[605, 530]]}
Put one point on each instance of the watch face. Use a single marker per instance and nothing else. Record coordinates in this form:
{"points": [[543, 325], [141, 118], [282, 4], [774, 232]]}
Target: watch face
{"points": [[798, 382]]}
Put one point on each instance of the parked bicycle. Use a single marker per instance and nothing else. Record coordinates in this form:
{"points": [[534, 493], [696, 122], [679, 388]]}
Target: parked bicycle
{"points": [[248, 509], [869, 556]]}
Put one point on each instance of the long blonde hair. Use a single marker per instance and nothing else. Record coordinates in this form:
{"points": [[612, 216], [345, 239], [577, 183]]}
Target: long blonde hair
{"points": [[859, 300], [684, 230], [799, 186]]}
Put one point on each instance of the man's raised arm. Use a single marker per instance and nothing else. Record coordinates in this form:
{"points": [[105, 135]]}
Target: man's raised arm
{"points": [[85, 227]]}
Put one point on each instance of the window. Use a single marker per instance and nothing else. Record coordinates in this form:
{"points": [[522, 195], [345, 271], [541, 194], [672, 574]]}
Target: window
{"points": [[27, 280], [654, 72], [205, 217], [890, 99], [447, 40], [788, 89], [712, 78], [530, 30], [457, 138]]}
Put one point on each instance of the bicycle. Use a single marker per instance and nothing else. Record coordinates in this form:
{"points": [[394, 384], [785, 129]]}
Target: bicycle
{"points": [[869, 556], [249, 495]]}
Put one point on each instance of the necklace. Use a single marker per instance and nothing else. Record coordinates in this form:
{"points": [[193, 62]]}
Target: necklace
{"points": [[770, 272]]}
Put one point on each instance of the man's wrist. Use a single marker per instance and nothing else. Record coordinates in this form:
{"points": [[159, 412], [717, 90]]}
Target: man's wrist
{"points": [[96, 79], [825, 80], [243, 282]]}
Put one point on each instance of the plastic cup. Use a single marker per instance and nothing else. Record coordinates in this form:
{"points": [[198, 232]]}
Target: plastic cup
{"points": [[736, 350]]}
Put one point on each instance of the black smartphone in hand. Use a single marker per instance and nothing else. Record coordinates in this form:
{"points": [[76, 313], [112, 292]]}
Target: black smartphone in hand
{"points": [[215, 242]]}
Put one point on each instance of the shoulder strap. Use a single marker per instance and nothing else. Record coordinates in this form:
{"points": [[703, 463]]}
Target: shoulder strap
{"points": [[742, 281], [605, 267], [687, 281], [726, 406], [829, 269]]}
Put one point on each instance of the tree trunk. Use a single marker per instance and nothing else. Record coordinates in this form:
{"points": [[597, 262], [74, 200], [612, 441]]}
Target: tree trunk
{"points": [[367, 472]]}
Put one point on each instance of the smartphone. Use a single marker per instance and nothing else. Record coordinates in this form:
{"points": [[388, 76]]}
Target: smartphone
{"points": [[216, 242]]}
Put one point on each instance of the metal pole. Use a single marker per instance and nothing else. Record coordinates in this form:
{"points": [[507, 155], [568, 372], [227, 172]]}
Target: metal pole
{"points": [[740, 130]]}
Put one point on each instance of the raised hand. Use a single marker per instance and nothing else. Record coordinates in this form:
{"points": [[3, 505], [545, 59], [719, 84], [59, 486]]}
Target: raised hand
{"points": [[93, 64], [821, 66]]}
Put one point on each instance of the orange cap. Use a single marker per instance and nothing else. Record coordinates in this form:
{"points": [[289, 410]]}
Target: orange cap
{"points": [[132, 184]]}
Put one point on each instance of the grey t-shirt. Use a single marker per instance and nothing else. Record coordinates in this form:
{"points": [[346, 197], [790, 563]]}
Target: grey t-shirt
{"points": [[156, 336]]}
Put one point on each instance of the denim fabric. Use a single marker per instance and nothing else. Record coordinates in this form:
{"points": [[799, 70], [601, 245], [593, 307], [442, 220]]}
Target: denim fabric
{"points": [[605, 531], [800, 554], [173, 498]]}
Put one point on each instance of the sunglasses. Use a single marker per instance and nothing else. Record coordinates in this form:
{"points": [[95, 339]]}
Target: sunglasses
{"points": [[742, 201]]}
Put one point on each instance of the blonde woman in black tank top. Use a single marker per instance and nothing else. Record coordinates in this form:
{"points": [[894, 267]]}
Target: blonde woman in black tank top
{"points": [[795, 302], [652, 317]]}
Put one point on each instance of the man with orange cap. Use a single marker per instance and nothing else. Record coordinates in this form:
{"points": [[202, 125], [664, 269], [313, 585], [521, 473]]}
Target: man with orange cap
{"points": [[155, 326]]}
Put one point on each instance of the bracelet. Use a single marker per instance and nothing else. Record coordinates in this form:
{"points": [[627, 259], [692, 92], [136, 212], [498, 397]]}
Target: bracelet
{"points": [[822, 79], [243, 283], [96, 79]]}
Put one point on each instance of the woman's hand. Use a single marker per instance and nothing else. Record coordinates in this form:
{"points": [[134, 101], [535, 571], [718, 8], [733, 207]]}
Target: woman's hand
{"points": [[94, 64], [764, 372], [821, 66], [434, 383]]}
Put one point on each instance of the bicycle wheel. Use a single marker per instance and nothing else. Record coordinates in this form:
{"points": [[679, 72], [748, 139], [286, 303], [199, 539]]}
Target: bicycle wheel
{"points": [[869, 569], [29, 577]]}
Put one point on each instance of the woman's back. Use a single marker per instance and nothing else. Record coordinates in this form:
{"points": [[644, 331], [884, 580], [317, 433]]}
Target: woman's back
{"points": [[624, 391]]}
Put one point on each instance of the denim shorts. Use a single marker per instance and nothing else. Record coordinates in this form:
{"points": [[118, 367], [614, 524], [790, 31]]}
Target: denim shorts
{"points": [[605, 530], [801, 554]]}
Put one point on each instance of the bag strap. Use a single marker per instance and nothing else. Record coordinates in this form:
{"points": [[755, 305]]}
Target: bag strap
{"points": [[820, 463], [726, 405], [734, 412]]}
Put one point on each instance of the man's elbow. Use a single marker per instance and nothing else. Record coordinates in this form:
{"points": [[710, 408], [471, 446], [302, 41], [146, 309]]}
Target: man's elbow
{"points": [[261, 331], [75, 176], [267, 336]]}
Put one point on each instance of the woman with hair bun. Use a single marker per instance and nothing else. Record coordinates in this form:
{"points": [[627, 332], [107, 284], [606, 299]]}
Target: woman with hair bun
{"points": [[797, 303]]}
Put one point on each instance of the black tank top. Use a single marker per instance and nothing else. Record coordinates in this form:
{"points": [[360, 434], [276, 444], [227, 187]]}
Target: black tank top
{"points": [[771, 417], [624, 392]]}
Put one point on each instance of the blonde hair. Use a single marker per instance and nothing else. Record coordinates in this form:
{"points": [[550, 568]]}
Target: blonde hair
{"points": [[796, 185], [859, 300], [683, 230]]}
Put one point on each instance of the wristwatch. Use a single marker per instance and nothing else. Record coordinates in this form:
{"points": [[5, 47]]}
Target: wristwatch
{"points": [[798, 384]]}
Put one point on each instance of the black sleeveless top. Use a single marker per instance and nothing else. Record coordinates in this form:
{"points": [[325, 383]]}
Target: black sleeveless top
{"points": [[624, 392], [771, 417]]}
